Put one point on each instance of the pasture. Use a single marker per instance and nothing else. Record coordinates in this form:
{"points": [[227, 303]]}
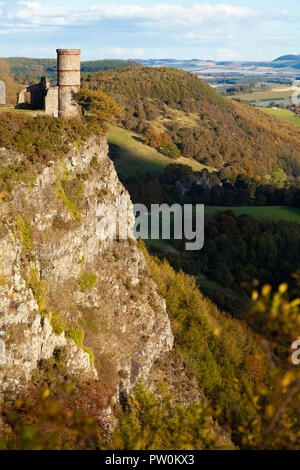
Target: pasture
{"points": [[284, 114]]}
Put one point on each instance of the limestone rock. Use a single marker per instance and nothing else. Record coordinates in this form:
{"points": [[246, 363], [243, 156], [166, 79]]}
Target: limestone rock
{"points": [[55, 266]]}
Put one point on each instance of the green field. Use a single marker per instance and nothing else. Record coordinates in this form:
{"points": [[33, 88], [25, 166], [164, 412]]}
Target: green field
{"points": [[136, 156], [275, 94], [289, 214], [284, 114]]}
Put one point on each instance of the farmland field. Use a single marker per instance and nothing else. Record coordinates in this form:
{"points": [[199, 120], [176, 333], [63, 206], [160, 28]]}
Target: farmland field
{"points": [[289, 214], [276, 94], [284, 114]]}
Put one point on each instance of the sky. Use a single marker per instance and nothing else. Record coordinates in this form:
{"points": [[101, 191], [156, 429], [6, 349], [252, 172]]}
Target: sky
{"points": [[180, 29]]}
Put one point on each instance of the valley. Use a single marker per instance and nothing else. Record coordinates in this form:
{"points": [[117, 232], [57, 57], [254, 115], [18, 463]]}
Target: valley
{"points": [[288, 65], [178, 349]]}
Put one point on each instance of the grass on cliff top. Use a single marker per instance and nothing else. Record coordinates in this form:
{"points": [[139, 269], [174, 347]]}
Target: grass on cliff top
{"points": [[136, 156], [38, 139], [13, 110]]}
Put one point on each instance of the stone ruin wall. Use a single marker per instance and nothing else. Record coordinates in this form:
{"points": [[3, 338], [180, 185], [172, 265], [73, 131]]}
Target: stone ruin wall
{"points": [[2, 92], [41, 96], [56, 100], [51, 101]]}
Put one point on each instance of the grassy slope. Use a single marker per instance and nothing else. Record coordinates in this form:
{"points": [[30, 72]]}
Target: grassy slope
{"points": [[284, 114], [136, 156]]}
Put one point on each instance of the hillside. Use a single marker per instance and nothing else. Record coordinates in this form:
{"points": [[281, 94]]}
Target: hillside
{"points": [[287, 61], [215, 131], [12, 87], [288, 57], [134, 155], [98, 335], [83, 322], [27, 70]]}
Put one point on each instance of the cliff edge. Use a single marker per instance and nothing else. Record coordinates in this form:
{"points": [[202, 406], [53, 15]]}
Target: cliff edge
{"points": [[62, 287]]}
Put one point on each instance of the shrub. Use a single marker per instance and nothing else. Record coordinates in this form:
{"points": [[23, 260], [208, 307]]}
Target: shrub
{"points": [[87, 281], [24, 229], [57, 323], [36, 286], [170, 150], [77, 336], [69, 205], [90, 353]]}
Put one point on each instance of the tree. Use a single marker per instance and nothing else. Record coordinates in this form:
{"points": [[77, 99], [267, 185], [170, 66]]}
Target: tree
{"points": [[151, 137], [170, 150], [98, 104]]}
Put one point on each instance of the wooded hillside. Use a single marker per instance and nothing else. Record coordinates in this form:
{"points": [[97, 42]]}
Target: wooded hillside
{"points": [[205, 126]]}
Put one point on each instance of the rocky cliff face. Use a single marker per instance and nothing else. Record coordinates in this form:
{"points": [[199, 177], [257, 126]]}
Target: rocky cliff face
{"points": [[62, 287]]}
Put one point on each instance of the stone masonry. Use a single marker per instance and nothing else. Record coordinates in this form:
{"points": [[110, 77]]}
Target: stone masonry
{"points": [[57, 101], [68, 77], [2, 92]]}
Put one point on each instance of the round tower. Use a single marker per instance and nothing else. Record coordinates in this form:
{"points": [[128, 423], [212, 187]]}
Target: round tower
{"points": [[68, 80]]}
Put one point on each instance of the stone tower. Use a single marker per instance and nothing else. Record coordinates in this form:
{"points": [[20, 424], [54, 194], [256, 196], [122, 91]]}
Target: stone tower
{"points": [[68, 80]]}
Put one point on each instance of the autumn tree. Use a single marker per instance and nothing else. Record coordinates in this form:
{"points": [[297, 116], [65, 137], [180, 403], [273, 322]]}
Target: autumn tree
{"points": [[98, 104]]}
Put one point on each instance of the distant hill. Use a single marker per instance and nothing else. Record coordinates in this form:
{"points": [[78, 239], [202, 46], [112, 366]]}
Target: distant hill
{"points": [[282, 66], [215, 131], [288, 57], [288, 61], [27, 71]]}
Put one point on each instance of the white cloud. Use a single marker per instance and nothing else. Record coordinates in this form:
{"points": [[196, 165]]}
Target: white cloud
{"points": [[127, 53], [33, 5], [227, 54], [209, 36], [128, 30], [175, 14], [157, 15]]}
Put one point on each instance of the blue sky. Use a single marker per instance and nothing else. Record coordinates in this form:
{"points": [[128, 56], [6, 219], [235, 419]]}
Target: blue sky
{"points": [[183, 29]]}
